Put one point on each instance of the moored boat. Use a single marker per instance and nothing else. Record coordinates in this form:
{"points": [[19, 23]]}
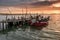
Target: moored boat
{"points": [[40, 23]]}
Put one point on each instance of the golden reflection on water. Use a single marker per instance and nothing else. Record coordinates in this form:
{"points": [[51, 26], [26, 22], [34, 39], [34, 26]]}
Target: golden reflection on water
{"points": [[54, 23]]}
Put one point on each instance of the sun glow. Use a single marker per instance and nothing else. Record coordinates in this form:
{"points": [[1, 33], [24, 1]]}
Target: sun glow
{"points": [[56, 11], [18, 10], [56, 5]]}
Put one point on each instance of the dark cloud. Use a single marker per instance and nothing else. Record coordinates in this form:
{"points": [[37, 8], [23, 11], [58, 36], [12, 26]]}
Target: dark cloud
{"points": [[45, 3], [22, 2], [15, 2]]}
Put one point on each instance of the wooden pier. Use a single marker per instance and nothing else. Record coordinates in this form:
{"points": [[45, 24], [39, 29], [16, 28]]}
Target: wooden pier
{"points": [[9, 24]]}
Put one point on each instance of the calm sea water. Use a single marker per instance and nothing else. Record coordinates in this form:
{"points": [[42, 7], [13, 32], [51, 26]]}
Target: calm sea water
{"points": [[51, 32]]}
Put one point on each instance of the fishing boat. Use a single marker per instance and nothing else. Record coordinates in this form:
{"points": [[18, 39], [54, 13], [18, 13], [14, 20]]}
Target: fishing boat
{"points": [[40, 24]]}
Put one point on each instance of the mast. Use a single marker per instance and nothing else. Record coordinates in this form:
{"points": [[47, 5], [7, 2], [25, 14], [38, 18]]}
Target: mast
{"points": [[6, 17], [26, 11], [22, 11], [10, 12]]}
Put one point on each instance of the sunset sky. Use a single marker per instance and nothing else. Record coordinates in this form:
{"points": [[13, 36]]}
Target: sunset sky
{"points": [[33, 6]]}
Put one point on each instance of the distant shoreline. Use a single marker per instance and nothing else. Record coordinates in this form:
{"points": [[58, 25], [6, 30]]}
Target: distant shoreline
{"points": [[27, 14]]}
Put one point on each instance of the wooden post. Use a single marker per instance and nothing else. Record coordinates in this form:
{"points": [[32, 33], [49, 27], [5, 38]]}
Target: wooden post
{"points": [[6, 23], [18, 19], [3, 26], [0, 26]]}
